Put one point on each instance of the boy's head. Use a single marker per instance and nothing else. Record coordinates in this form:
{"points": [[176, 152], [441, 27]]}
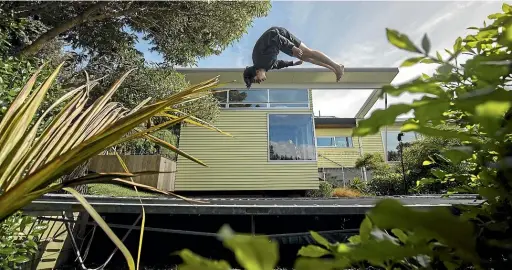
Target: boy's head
{"points": [[253, 75]]}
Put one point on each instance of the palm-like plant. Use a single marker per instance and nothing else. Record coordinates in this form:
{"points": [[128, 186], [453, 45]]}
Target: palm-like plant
{"points": [[36, 151]]}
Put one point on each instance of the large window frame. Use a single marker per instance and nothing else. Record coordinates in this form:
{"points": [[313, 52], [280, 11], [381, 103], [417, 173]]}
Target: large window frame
{"points": [[394, 134], [348, 140], [268, 104], [315, 154]]}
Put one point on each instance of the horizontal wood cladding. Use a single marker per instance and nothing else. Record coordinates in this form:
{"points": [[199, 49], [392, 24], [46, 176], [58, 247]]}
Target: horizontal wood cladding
{"points": [[239, 162], [337, 157]]}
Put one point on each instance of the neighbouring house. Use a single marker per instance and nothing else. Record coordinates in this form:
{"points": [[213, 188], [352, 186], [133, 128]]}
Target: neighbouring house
{"points": [[278, 143], [338, 150]]}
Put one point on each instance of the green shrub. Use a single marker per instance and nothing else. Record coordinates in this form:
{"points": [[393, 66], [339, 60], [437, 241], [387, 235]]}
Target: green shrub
{"points": [[359, 185], [18, 241], [325, 190], [390, 183]]}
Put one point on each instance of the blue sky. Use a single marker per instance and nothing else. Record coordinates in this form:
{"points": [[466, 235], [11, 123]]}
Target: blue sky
{"points": [[353, 33]]}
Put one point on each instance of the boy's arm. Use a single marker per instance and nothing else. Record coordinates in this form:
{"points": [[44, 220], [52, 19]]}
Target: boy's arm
{"points": [[283, 64]]}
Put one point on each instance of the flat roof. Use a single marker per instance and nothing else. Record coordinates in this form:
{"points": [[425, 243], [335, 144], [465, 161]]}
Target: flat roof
{"points": [[311, 78], [53, 203]]}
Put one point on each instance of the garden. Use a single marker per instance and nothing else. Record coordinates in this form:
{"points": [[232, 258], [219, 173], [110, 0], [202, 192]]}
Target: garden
{"points": [[61, 107]]}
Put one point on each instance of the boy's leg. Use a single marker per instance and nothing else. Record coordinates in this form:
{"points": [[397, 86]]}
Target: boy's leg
{"points": [[317, 56], [321, 57], [315, 62]]}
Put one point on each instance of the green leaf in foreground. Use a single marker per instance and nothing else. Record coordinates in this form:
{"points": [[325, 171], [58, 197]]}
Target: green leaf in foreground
{"points": [[437, 223], [192, 261], [313, 251], [251, 252], [320, 239], [401, 41], [425, 44], [380, 118], [365, 229]]}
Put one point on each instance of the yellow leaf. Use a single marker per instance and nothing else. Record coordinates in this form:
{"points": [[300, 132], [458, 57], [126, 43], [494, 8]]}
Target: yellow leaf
{"points": [[104, 226]]}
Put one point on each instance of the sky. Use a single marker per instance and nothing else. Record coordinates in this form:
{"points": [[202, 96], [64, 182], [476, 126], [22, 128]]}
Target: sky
{"points": [[353, 34]]}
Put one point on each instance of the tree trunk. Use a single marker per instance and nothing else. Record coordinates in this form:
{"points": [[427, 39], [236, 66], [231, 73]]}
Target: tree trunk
{"points": [[38, 44]]}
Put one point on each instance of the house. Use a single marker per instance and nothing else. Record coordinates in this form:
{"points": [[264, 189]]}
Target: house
{"points": [[338, 150], [277, 143]]}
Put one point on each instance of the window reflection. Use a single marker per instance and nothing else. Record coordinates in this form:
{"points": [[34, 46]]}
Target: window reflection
{"points": [[392, 144], [291, 137]]}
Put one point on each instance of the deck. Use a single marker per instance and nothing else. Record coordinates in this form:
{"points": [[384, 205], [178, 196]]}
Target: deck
{"points": [[238, 206]]}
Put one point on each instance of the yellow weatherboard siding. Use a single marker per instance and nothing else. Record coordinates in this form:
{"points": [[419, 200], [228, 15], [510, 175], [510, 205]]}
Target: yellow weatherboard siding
{"points": [[239, 162], [374, 143], [331, 157]]}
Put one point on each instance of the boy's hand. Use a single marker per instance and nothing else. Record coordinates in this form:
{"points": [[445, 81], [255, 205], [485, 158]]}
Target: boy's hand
{"points": [[297, 52], [297, 63]]}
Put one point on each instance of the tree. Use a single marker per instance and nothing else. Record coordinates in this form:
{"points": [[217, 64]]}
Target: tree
{"points": [[371, 161], [423, 159], [180, 30]]}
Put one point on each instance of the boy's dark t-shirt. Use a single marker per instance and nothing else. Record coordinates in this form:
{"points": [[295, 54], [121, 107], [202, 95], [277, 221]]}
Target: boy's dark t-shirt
{"points": [[268, 46]]}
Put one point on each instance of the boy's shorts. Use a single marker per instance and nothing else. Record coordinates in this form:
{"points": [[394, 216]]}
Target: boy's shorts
{"points": [[286, 34]]}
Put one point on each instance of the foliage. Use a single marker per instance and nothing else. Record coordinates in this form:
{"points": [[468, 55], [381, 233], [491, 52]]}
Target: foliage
{"points": [[359, 185], [37, 150], [385, 179], [430, 148], [180, 31], [386, 183], [325, 190], [20, 235], [345, 192], [371, 161], [251, 252], [144, 146], [388, 180], [475, 97]]}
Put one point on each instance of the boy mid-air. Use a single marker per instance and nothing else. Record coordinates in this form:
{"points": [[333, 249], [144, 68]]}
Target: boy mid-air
{"points": [[268, 46]]}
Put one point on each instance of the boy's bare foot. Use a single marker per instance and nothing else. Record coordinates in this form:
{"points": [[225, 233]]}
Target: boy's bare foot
{"points": [[340, 70]]}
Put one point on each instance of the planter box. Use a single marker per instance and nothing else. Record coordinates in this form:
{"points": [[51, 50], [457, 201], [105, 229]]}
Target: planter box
{"points": [[139, 163]]}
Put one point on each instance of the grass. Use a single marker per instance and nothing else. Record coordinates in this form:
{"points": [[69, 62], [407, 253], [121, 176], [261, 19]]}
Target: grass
{"points": [[346, 192], [116, 191]]}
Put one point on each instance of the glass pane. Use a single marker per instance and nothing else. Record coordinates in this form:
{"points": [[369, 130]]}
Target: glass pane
{"points": [[249, 96], [248, 105], [392, 146], [278, 105], [324, 142], [222, 105], [289, 95], [291, 137], [221, 96], [341, 142]]}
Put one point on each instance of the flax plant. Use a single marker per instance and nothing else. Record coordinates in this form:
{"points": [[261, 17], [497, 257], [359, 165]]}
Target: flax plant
{"points": [[36, 150]]}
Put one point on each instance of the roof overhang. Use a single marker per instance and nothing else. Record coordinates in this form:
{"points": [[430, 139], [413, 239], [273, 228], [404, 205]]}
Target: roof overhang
{"points": [[368, 104], [334, 122], [310, 78]]}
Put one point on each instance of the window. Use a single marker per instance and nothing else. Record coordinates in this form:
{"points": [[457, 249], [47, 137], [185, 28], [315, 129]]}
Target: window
{"points": [[337, 142], [392, 146], [291, 137], [263, 98]]}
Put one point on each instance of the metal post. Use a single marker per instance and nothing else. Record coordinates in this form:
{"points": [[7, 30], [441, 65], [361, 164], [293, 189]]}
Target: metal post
{"points": [[399, 138], [343, 175], [253, 225], [386, 129]]}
